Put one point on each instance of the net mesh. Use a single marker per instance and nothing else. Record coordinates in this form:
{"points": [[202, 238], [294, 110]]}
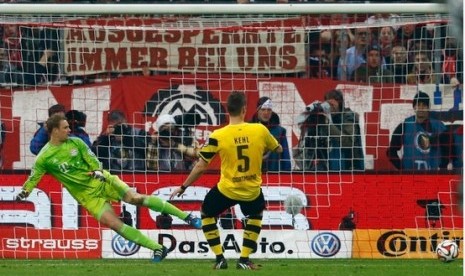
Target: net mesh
{"points": [[148, 66]]}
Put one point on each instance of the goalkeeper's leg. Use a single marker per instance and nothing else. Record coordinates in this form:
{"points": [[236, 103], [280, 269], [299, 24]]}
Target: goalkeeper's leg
{"points": [[110, 219], [159, 205]]}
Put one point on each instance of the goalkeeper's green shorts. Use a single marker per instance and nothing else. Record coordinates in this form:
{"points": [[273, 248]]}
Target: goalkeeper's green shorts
{"points": [[111, 190]]}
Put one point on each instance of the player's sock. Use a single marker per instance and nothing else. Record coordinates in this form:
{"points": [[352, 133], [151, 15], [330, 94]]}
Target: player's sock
{"points": [[212, 235], [251, 233], [156, 204], [132, 234]]}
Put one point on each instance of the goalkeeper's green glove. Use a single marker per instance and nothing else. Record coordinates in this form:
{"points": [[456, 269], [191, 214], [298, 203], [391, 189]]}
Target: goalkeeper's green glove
{"points": [[22, 195], [98, 175]]}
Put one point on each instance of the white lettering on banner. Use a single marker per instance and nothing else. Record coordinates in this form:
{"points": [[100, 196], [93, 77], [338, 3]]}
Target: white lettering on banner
{"points": [[40, 218], [25, 107], [359, 98], [273, 194], [51, 244], [94, 101], [191, 244], [70, 210], [91, 100], [283, 93]]}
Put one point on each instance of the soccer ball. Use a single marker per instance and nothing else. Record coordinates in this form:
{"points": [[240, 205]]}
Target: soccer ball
{"points": [[447, 251], [293, 204]]}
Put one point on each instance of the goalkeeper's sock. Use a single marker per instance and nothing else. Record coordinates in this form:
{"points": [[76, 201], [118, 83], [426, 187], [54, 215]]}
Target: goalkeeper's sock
{"points": [[157, 204], [251, 233], [132, 234], [212, 235]]}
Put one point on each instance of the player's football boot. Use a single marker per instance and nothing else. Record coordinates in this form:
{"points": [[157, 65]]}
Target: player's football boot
{"points": [[221, 264], [194, 221], [247, 265], [159, 254]]}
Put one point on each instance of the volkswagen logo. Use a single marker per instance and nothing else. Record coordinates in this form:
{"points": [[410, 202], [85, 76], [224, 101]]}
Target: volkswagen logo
{"points": [[326, 244], [123, 247]]}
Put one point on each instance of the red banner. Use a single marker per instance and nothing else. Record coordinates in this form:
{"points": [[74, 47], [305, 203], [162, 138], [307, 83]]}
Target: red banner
{"points": [[144, 98], [378, 201], [30, 243]]}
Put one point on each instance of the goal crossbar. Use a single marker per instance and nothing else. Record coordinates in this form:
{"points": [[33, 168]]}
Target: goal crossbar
{"points": [[328, 8]]}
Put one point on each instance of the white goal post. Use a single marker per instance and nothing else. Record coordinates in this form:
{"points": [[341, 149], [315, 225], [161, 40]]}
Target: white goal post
{"points": [[182, 9]]}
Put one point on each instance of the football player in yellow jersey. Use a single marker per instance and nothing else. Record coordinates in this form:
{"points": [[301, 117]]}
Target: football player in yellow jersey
{"points": [[241, 147]]}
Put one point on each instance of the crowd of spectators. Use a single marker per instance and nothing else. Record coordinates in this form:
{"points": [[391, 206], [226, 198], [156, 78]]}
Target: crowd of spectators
{"points": [[409, 54], [369, 52]]}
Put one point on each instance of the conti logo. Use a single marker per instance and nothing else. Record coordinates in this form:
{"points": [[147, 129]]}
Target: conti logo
{"points": [[123, 247], [326, 244], [398, 243]]}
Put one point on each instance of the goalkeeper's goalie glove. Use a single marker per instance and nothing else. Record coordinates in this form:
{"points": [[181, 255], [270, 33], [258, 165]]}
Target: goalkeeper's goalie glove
{"points": [[98, 175], [22, 195]]}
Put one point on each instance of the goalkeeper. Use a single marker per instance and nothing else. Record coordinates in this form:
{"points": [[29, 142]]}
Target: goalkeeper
{"points": [[70, 161]]}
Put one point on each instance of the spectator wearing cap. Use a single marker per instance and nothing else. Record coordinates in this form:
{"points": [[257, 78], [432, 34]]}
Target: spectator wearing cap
{"points": [[372, 71], [166, 151], [121, 147], [77, 123], [273, 162], [424, 141], [41, 136]]}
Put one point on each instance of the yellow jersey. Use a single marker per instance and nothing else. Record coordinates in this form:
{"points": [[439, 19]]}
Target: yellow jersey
{"points": [[241, 148]]}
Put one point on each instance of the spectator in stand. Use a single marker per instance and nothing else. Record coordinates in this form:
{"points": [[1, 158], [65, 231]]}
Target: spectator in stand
{"points": [[121, 147], [452, 64], [166, 150], [319, 66], [354, 56], [386, 42], [3, 65], [372, 71], [12, 44], [422, 70], [273, 161], [399, 66], [423, 140], [341, 40], [77, 123], [405, 33], [41, 136]]}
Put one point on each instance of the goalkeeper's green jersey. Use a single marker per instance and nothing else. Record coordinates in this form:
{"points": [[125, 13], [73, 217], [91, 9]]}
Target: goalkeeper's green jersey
{"points": [[70, 163]]}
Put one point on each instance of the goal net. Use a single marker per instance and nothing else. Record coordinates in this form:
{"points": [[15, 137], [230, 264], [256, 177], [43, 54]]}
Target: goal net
{"points": [[345, 188]]}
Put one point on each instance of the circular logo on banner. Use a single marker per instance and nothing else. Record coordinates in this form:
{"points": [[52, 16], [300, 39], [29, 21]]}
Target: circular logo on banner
{"points": [[123, 247], [325, 244]]}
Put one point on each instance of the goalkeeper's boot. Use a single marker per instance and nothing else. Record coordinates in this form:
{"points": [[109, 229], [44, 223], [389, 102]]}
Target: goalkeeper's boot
{"points": [[194, 221], [246, 265], [159, 254], [221, 264]]}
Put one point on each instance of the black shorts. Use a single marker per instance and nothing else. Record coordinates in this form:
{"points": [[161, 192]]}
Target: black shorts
{"points": [[216, 203]]}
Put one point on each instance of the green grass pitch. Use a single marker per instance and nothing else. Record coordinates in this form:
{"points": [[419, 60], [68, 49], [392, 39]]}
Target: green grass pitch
{"points": [[288, 267]]}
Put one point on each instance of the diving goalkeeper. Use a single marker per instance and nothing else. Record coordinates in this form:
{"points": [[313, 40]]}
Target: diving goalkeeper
{"points": [[70, 161]]}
